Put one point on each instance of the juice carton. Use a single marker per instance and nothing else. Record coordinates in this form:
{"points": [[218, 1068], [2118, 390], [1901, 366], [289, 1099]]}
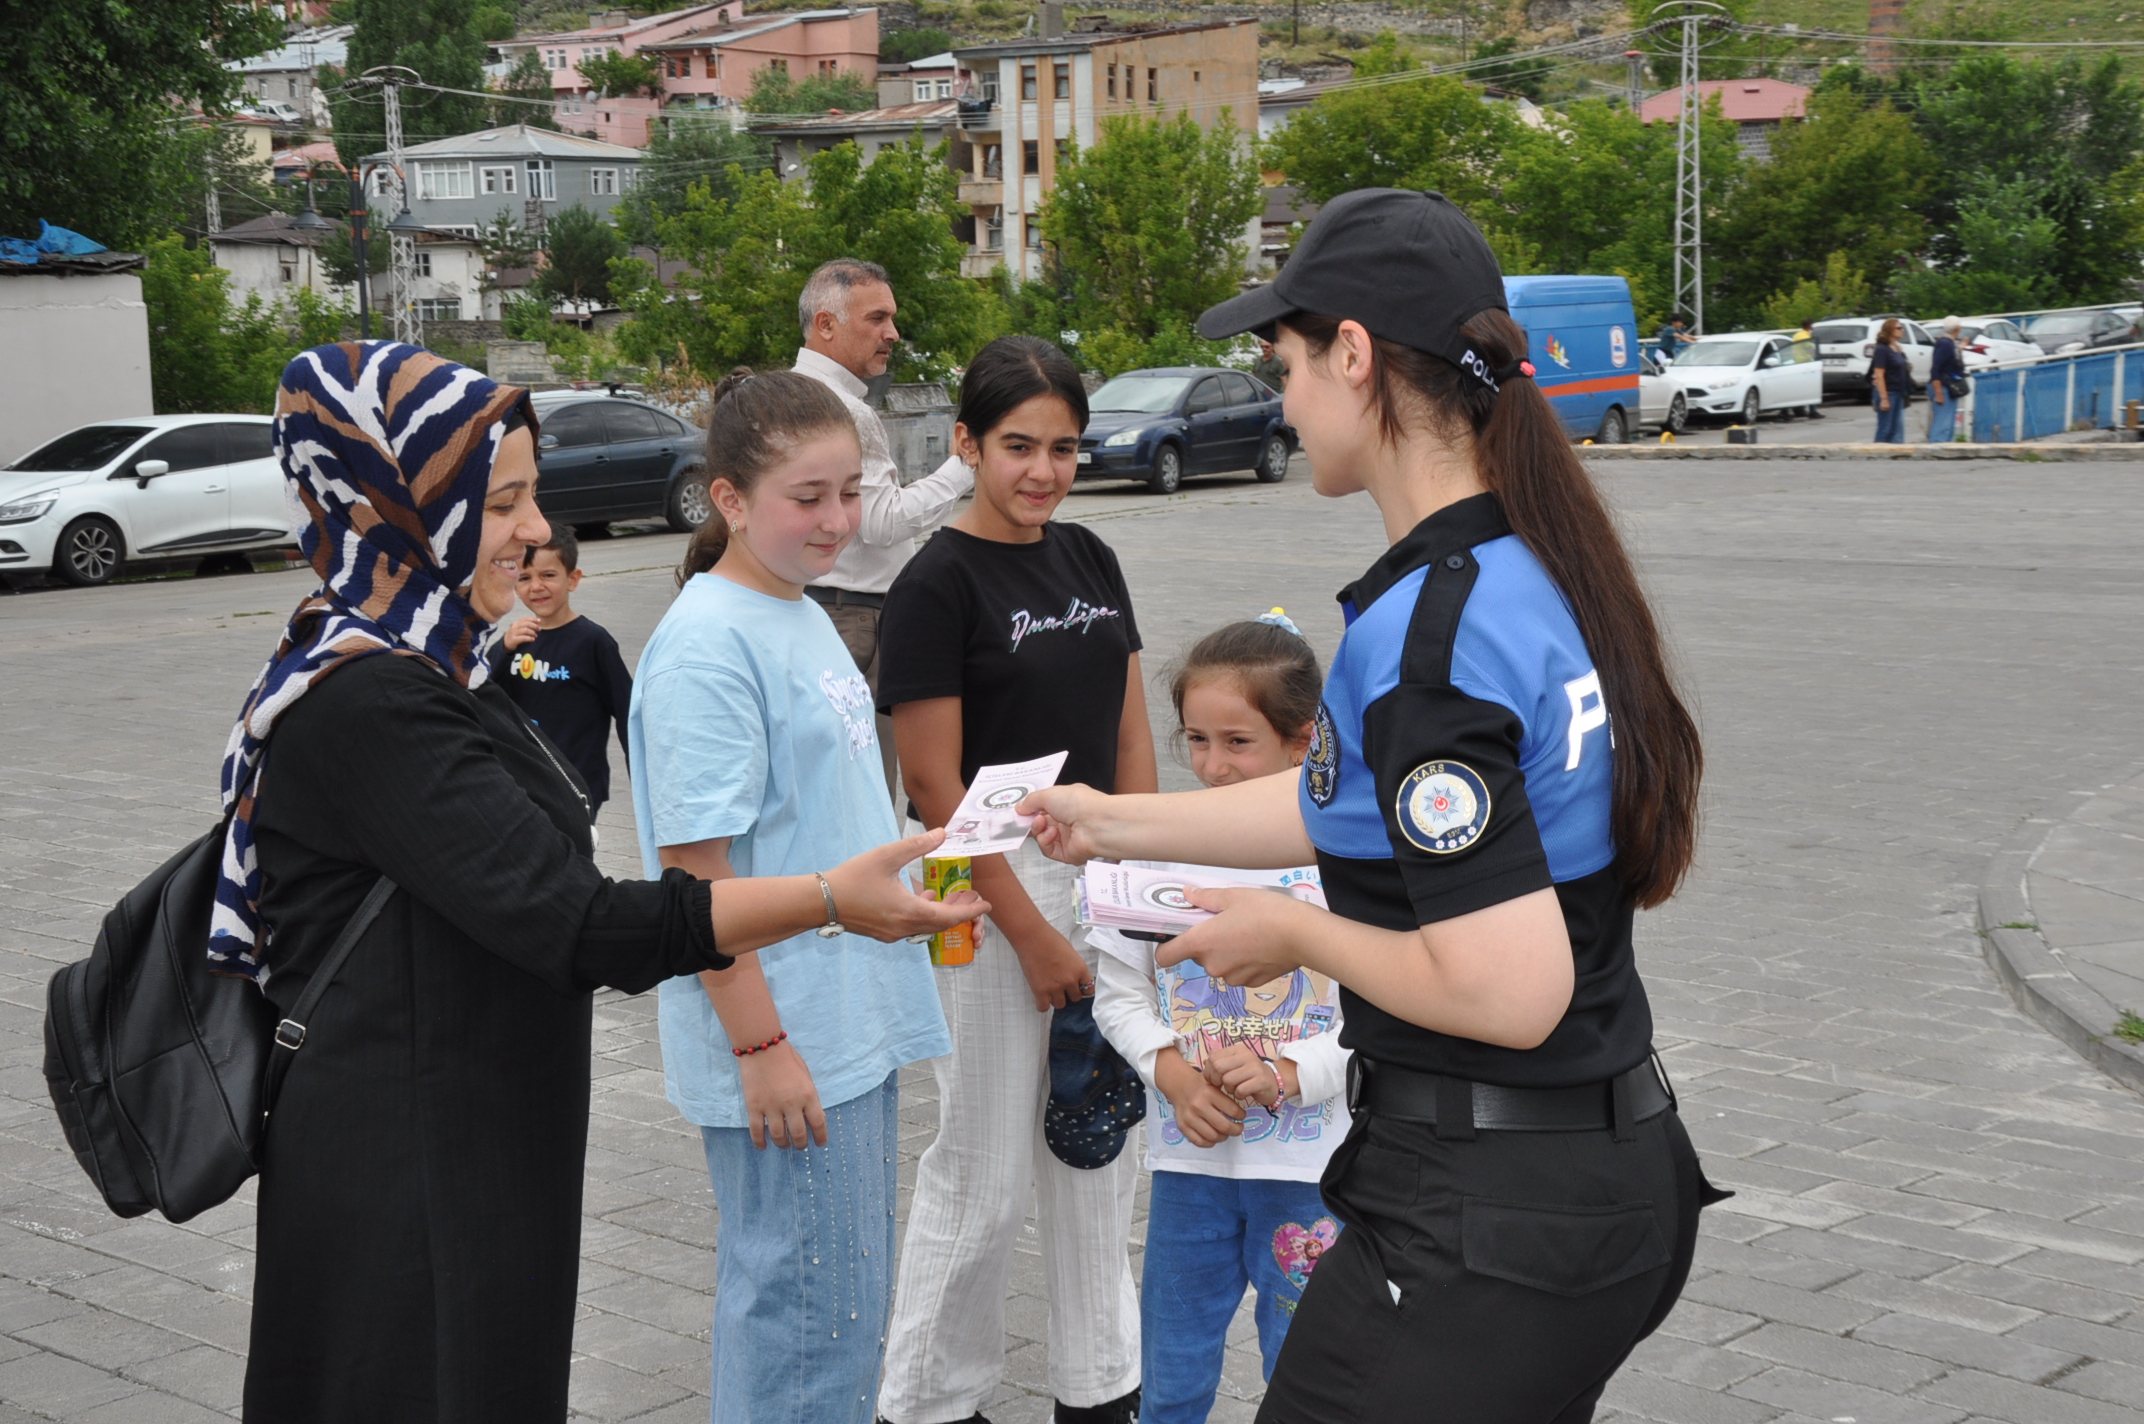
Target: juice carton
{"points": [[943, 879]]}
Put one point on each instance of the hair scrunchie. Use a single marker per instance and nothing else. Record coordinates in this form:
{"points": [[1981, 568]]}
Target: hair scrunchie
{"points": [[1278, 618]]}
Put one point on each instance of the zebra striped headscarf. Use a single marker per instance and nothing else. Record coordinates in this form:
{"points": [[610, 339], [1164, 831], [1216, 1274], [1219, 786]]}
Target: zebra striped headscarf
{"points": [[389, 449]]}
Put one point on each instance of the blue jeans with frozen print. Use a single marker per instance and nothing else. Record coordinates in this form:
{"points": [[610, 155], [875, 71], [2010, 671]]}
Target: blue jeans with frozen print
{"points": [[1207, 1238], [804, 1267]]}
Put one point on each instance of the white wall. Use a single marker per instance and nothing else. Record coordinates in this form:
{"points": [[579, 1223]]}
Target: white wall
{"points": [[73, 349], [258, 267]]}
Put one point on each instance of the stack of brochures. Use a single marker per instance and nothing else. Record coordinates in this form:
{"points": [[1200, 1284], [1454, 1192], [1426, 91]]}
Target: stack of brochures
{"points": [[1143, 902]]}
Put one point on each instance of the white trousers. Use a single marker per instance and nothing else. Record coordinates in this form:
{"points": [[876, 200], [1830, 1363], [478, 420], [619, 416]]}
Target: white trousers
{"points": [[945, 1352]]}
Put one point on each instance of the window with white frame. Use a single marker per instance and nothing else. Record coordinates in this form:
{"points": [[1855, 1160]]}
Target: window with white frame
{"points": [[439, 309], [468, 230], [543, 180], [994, 231], [602, 182], [382, 182], [554, 59], [500, 179], [445, 180], [923, 90], [424, 264]]}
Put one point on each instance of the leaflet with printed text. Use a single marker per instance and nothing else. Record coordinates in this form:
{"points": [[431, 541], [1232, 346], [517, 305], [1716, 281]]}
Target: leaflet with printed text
{"points": [[985, 822]]}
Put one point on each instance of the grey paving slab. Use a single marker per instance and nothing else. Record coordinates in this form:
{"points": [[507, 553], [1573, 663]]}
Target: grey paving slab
{"points": [[1898, 667]]}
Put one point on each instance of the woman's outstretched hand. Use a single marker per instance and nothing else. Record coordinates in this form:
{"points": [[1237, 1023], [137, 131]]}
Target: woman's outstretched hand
{"points": [[872, 899], [1251, 939], [1065, 821]]}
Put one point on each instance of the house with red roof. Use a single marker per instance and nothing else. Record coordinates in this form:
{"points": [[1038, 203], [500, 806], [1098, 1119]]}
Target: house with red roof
{"points": [[1757, 107]]}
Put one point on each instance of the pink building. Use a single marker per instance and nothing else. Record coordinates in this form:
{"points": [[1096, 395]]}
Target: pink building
{"points": [[1757, 107], [708, 55]]}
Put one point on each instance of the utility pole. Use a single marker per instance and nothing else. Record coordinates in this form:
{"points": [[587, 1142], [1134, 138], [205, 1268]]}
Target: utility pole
{"points": [[1688, 21], [1634, 84], [215, 199], [404, 248]]}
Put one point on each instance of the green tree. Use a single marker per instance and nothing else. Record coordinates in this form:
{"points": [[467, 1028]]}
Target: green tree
{"points": [[1593, 191], [1433, 132], [898, 211], [436, 38], [1839, 291], [204, 353], [908, 46], [774, 92], [578, 250], [528, 80], [2004, 255], [750, 253], [621, 74], [1383, 56], [92, 103], [1520, 76], [687, 150], [338, 256], [1851, 178], [2071, 129], [1150, 223]]}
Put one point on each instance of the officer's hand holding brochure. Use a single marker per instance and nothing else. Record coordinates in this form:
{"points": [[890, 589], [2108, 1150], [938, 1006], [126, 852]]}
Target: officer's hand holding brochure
{"points": [[1152, 903], [985, 822]]}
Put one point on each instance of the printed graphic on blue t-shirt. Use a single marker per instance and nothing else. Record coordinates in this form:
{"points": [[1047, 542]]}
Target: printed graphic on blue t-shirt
{"points": [[1518, 646]]}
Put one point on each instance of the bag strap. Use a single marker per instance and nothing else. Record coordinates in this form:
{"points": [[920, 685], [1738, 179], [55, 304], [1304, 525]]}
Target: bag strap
{"points": [[290, 1033]]}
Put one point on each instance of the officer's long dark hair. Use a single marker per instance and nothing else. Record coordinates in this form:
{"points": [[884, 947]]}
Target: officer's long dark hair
{"points": [[1524, 458]]}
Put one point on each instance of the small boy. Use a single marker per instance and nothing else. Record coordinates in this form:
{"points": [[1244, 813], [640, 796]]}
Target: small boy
{"points": [[563, 669]]}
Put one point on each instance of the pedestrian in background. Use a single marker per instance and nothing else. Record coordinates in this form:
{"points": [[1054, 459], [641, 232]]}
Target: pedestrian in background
{"points": [[564, 669], [1946, 377], [1270, 368], [1890, 383], [847, 310], [1671, 338]]}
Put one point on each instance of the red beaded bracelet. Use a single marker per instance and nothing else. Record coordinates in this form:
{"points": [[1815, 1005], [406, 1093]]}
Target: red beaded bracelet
{"points": [[759, 1047]]}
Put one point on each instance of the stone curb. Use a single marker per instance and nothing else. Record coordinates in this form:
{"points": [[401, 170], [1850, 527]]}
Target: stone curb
{"points": [[2035, 975], [2022, 451]]}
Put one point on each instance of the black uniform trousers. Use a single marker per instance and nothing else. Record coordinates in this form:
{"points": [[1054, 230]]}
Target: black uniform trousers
{"points": [[1497, 1279]]}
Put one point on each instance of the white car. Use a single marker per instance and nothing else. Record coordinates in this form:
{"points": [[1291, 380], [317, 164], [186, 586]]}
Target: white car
{"points": [[1662, 403], [148, 487], [1847, 343], [1744, 374], [1987, 341]]}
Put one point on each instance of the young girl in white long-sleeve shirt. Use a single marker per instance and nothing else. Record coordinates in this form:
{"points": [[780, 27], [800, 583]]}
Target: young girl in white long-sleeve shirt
{"points": [[1248, 1083]]}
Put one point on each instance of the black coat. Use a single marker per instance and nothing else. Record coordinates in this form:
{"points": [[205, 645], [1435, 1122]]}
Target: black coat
{"points": [[420, 1197]]}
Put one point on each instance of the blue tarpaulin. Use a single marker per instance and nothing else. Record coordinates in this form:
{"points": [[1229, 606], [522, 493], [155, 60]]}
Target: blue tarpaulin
{"points": [[56, 240]]}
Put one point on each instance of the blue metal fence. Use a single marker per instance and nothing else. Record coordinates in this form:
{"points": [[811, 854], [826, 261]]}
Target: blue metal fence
{"points": [[2091, 390]]}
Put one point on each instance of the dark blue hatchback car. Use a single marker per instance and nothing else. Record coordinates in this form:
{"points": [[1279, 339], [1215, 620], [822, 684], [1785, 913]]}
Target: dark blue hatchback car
{"points": [[1162, 424]]}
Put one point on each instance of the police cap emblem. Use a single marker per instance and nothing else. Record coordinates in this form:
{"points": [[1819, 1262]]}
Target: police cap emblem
{"points": [[1442, 807], [1321, 764]]}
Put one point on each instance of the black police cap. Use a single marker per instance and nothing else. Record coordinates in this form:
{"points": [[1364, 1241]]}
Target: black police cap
{"points": [[1408, 265]]}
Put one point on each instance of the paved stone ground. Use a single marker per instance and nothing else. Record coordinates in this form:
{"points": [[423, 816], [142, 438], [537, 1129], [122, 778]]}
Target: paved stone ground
{"points": [[1941, 1210], [2086, 887]]}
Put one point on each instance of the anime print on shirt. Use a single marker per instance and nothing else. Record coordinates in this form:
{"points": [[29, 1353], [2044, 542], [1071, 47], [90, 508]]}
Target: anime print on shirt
{"points": [[1263, 1017]]}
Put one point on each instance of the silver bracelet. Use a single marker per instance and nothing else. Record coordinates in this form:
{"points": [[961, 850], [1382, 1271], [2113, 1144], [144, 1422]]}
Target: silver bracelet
{"points": [[833, 928]]}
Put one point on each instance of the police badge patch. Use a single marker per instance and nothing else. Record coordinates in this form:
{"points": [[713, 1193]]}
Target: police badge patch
{"points": [[1442, 807], [1321, 764]]}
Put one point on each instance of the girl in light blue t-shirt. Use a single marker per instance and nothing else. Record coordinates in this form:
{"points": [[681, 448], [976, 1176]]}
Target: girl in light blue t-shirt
{"points": [[755, 752]]}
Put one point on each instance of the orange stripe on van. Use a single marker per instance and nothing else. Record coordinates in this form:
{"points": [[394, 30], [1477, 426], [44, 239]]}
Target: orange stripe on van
{"points": [[1587, 388]]}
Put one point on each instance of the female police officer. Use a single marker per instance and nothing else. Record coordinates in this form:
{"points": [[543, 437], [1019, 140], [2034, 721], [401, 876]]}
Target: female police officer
{"points": [[1520, 1199]]}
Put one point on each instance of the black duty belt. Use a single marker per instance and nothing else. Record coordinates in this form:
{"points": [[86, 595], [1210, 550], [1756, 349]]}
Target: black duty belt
{"points": [[836, 597], [1456, 1107]]}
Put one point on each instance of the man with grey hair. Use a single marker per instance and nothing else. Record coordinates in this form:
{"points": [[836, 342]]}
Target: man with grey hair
{"points": [[847, 311]]}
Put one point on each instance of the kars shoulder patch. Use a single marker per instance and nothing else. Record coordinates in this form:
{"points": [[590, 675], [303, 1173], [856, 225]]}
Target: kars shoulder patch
{"points": [[1321, 763], [1442, 807]]}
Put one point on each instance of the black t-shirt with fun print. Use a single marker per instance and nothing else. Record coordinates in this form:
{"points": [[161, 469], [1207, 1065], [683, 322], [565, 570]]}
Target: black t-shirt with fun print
{"points": [[1035, 639]]}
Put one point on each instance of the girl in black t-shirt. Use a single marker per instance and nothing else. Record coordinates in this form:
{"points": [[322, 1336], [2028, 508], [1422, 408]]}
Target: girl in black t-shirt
{"points": [[1009, 637]]}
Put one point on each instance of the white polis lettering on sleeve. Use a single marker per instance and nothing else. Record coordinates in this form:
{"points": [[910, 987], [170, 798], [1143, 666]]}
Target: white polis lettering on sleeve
{"points": [[1585, 717]]}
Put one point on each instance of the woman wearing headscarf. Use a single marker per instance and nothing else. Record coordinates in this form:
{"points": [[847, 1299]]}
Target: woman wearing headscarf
{"points": [[420, 1192]]}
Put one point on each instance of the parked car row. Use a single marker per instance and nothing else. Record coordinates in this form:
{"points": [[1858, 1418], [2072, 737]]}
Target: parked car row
{"points": [[165, 487], [1161, 424]]}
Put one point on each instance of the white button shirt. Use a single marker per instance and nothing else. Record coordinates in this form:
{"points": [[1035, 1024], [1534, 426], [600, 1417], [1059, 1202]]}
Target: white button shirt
{"points": [[894, 516]]}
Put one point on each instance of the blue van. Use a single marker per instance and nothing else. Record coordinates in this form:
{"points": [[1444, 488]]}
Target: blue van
{"points": [[1582, 336]]}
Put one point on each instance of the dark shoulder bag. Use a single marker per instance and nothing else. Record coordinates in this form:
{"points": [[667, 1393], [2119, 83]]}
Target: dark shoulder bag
{"points": [[163, 1071]]}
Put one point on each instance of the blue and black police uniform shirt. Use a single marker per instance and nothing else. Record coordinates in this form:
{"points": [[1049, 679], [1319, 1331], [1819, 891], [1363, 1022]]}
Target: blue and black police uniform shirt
{"points": [[1461, 758]]}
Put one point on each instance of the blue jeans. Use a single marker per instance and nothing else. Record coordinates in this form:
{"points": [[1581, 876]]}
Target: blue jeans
{"points": [[1942, 419], [804, 1267], [1890, 424], [1206, 1239]]}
